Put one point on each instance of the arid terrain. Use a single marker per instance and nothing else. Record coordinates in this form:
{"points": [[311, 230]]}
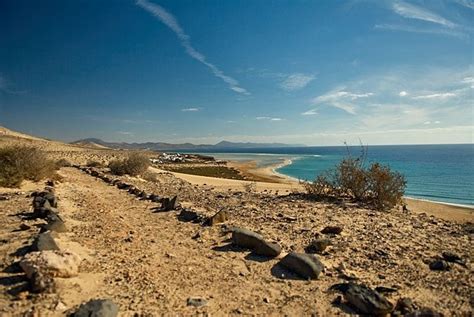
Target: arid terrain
{"points": [[151, 262]]}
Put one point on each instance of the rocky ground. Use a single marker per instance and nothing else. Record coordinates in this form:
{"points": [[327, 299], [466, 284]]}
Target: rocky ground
{"points": [[153, 263]]}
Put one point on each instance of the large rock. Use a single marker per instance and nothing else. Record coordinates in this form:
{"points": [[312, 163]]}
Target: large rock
{"points": [[305, 265], [51, 264], [268, 249], [97, 308], [44, 242], [246, 239], [365, 300]]}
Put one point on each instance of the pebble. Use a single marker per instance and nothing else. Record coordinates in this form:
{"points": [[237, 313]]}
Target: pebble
{"points": [[196, 301]]}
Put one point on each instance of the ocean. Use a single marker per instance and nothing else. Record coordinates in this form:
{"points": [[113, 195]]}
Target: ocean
{"points": [[443, 173]]}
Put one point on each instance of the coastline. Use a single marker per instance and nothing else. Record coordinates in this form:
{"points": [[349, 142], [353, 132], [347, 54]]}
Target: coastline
{"points": [[267, 179]]}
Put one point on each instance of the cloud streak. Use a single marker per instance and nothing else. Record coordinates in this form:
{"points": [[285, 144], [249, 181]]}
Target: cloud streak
{"points": [[170, 21], [338, 98], [190, 109], [411, 11], [407, 28], [296, 81], [269, 118], [435, 96]]}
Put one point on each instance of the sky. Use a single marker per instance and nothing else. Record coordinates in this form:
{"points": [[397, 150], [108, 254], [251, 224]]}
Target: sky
{"points": [[299, 71]]}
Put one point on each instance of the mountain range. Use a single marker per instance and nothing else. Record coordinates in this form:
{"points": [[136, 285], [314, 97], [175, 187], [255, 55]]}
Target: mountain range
{"points": [[162, 146]]}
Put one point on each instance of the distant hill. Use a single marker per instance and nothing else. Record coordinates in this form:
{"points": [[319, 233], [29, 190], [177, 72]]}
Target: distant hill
{"points": [[162, 146]]}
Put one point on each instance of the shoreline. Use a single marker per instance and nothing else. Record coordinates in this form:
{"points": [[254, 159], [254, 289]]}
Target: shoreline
{"points": [[443, 210]]}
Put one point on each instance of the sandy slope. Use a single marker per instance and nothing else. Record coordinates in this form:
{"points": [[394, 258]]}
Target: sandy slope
{"points": [[150, 263]]}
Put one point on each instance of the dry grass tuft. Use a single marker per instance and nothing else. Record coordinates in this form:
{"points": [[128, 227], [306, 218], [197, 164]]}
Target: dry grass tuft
{"points": [[19, 162], [135, 164]]}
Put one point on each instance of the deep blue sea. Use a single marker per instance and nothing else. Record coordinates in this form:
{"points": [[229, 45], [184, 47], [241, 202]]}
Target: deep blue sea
{"points": [[443, 173]]}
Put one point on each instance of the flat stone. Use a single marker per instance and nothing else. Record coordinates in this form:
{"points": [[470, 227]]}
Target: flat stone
{"points": [[43, 242], [97, 308], [268, 249], [307, 266], [366, 300], [332, 230], [246, 239], [188, 215]]}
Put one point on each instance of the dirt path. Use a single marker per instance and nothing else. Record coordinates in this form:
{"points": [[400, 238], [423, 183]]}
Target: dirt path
{"points": [[150, 263]]}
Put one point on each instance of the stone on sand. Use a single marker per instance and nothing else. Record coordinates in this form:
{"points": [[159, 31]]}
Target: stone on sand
{"points": [[268, 249], [365, 300], [245, 238], [51, 263], [97, 308], [44, 242], [307, 266]]}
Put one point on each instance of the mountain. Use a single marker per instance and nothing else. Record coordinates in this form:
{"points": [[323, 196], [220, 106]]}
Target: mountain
{"points": [[162, 146]]}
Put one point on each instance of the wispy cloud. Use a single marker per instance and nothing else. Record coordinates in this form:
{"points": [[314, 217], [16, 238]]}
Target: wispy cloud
{"points": [[190, 109], [311, 112], [341, 99], [124, 132], [411, 11], [170, 21], [435, 96], [466, 3], [296, 81], [269, 118], [403, 93], [408, 28]]}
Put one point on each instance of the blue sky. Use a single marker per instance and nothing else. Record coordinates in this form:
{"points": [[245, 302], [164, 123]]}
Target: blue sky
{"points": [[306, 72]]}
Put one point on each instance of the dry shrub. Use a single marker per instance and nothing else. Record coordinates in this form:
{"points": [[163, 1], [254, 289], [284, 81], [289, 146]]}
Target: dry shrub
{"points": [[250, 187], [63, 163], [18, 163], [93, 163], [386, 187], [378, 186], [135, 164]]}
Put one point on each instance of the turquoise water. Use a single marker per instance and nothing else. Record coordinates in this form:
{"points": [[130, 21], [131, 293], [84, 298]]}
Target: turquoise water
{"points": [[443, 173]]}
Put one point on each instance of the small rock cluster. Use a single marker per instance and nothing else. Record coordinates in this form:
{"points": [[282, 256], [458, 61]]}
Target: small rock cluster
{"points": [[45, 261]]}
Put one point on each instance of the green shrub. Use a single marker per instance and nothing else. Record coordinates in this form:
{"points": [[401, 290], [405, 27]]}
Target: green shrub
{"points": [[377, 185], [18, 163], [135, 164]]}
